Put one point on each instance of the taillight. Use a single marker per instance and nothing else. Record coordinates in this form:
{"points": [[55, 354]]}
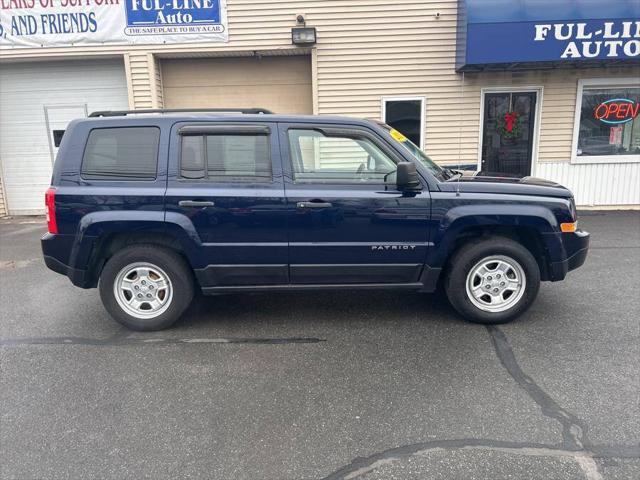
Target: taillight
{"points": [[50, 202]]}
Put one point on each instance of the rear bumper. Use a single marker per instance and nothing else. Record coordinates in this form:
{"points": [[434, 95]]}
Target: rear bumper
{"points": [[56, 250], [78, 277], [576, 247]]}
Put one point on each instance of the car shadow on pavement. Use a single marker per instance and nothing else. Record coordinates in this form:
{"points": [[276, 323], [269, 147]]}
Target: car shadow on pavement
{"points": [[342, 307]]}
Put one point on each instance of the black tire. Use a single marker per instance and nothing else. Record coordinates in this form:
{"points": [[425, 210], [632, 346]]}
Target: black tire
{"points": [[171, 263], [470, 255]]}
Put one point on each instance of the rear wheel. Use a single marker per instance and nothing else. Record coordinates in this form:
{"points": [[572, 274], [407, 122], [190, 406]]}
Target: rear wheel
{"points": [[146, 287], [493, 280]]}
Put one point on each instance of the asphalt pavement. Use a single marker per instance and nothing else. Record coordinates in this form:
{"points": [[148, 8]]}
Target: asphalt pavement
{"points": [[323, 385]]}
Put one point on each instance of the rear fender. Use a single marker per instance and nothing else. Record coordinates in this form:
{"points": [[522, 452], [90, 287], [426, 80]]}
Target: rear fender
{"points": [[96, 226], [181, 228]]}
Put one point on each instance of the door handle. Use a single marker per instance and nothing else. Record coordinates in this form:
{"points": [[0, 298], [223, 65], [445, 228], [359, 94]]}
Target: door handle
{"points": [[313, 205], [195, 203]]}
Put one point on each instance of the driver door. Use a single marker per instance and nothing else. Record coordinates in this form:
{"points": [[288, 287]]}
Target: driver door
{"points": [[347, 222]]}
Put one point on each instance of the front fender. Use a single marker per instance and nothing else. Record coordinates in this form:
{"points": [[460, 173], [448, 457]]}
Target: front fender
{"points": [[465, 217]]}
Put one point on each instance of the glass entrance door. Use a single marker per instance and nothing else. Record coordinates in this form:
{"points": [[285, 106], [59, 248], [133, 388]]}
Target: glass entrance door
{"points": [[507, 134]]}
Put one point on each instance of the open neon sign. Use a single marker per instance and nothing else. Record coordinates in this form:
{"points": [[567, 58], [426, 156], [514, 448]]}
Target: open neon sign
{"points": [[617, 110]]}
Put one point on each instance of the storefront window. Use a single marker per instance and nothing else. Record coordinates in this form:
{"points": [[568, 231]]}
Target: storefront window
{"points": [[609, 122]]}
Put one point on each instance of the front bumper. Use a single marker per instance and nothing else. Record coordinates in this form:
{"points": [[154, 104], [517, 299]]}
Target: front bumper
{"points": [[576, 246]]}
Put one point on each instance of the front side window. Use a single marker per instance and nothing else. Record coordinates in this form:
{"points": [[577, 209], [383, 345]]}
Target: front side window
{"points": [[228, 157], [317, 158], [609, 122], [121, 153]]}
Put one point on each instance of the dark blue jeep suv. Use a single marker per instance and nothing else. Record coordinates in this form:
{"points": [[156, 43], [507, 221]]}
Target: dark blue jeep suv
{"points": [[151, 205]]}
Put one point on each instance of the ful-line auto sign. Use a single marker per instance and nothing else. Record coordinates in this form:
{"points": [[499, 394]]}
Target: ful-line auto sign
{"points": [[594, 39], [525, 32], [173, 16], [53, 23], [554, 42]]}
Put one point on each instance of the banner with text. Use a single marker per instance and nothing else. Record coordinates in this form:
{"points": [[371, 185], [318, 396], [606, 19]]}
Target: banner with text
{"points": [[58, 23]]}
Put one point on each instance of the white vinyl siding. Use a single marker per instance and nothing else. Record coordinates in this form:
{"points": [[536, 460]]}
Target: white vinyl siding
{"points": [[596, 184], [68, 89], [331, 153]]}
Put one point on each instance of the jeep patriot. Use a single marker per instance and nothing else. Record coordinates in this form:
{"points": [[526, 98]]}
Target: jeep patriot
{"points": [[150, 206]]}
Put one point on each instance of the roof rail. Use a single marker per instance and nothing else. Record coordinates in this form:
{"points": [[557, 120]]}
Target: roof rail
{"points": [[120, 113]]}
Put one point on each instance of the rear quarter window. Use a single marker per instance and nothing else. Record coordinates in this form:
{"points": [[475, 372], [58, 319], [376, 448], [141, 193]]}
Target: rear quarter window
{"points": [[129, 153]]}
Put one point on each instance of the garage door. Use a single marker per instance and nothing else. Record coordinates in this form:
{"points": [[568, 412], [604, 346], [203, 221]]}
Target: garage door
{"points": [[280, 84], [37, 99]]}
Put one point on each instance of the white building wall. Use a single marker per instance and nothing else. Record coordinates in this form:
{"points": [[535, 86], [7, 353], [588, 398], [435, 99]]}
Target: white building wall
{"points": [[598, 184]]}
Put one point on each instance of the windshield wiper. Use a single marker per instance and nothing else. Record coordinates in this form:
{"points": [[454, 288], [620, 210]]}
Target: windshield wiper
{"points": [[452, 173]]}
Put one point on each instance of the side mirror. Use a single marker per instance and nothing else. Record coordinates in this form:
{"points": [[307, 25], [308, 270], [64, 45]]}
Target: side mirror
{"points": [[407, 176], [371, 163]]}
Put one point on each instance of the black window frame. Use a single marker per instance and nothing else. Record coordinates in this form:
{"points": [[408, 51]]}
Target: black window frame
{"points": [[221, 130], [422, 119], [116, 178]]}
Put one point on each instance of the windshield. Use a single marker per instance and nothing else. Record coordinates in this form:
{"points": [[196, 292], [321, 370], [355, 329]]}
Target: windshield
{"points": [[418, 154]]}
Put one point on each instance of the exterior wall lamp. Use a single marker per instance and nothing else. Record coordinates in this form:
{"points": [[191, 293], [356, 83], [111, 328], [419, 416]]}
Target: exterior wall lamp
{"points": [[303, 35]]}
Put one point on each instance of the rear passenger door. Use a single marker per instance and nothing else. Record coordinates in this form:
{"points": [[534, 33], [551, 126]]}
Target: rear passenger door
{"points": [[225, 187]]}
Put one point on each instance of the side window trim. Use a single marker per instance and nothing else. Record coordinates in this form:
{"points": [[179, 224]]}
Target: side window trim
{"points": [[224, 130]]}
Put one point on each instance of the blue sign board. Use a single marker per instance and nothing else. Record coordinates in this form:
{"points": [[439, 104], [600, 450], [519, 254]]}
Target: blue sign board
{"points": [[172, 12], [507, 32]]}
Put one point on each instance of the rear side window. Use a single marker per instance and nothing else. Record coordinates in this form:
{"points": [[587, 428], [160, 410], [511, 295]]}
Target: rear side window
{"points": [[121, 153], [226, 157]]}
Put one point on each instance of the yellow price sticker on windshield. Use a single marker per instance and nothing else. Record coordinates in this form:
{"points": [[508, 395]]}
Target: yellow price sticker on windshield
{"points": [[397, 135]]}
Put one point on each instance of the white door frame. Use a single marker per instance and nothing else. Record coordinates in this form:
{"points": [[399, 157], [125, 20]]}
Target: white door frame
{"points": [[423, 111], [538, 90]]}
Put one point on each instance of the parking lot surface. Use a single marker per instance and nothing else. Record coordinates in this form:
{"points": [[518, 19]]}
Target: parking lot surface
{"points": [[323, 385]]}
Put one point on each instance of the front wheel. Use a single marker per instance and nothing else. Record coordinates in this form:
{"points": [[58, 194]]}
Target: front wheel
{"points": [[146, 287], [492, 281]]}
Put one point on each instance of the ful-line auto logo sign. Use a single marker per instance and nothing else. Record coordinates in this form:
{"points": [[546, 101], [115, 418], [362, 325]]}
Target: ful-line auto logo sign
{"points": [[593, 39], [158, 17]]}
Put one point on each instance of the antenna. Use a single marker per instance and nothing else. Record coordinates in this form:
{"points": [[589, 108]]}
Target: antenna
{"points": [[461, 116]]}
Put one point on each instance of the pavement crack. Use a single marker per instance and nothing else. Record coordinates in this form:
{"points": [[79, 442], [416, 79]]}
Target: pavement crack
{"points": [[575, 443], [574, 430], [121, 340], [363, 465]]}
